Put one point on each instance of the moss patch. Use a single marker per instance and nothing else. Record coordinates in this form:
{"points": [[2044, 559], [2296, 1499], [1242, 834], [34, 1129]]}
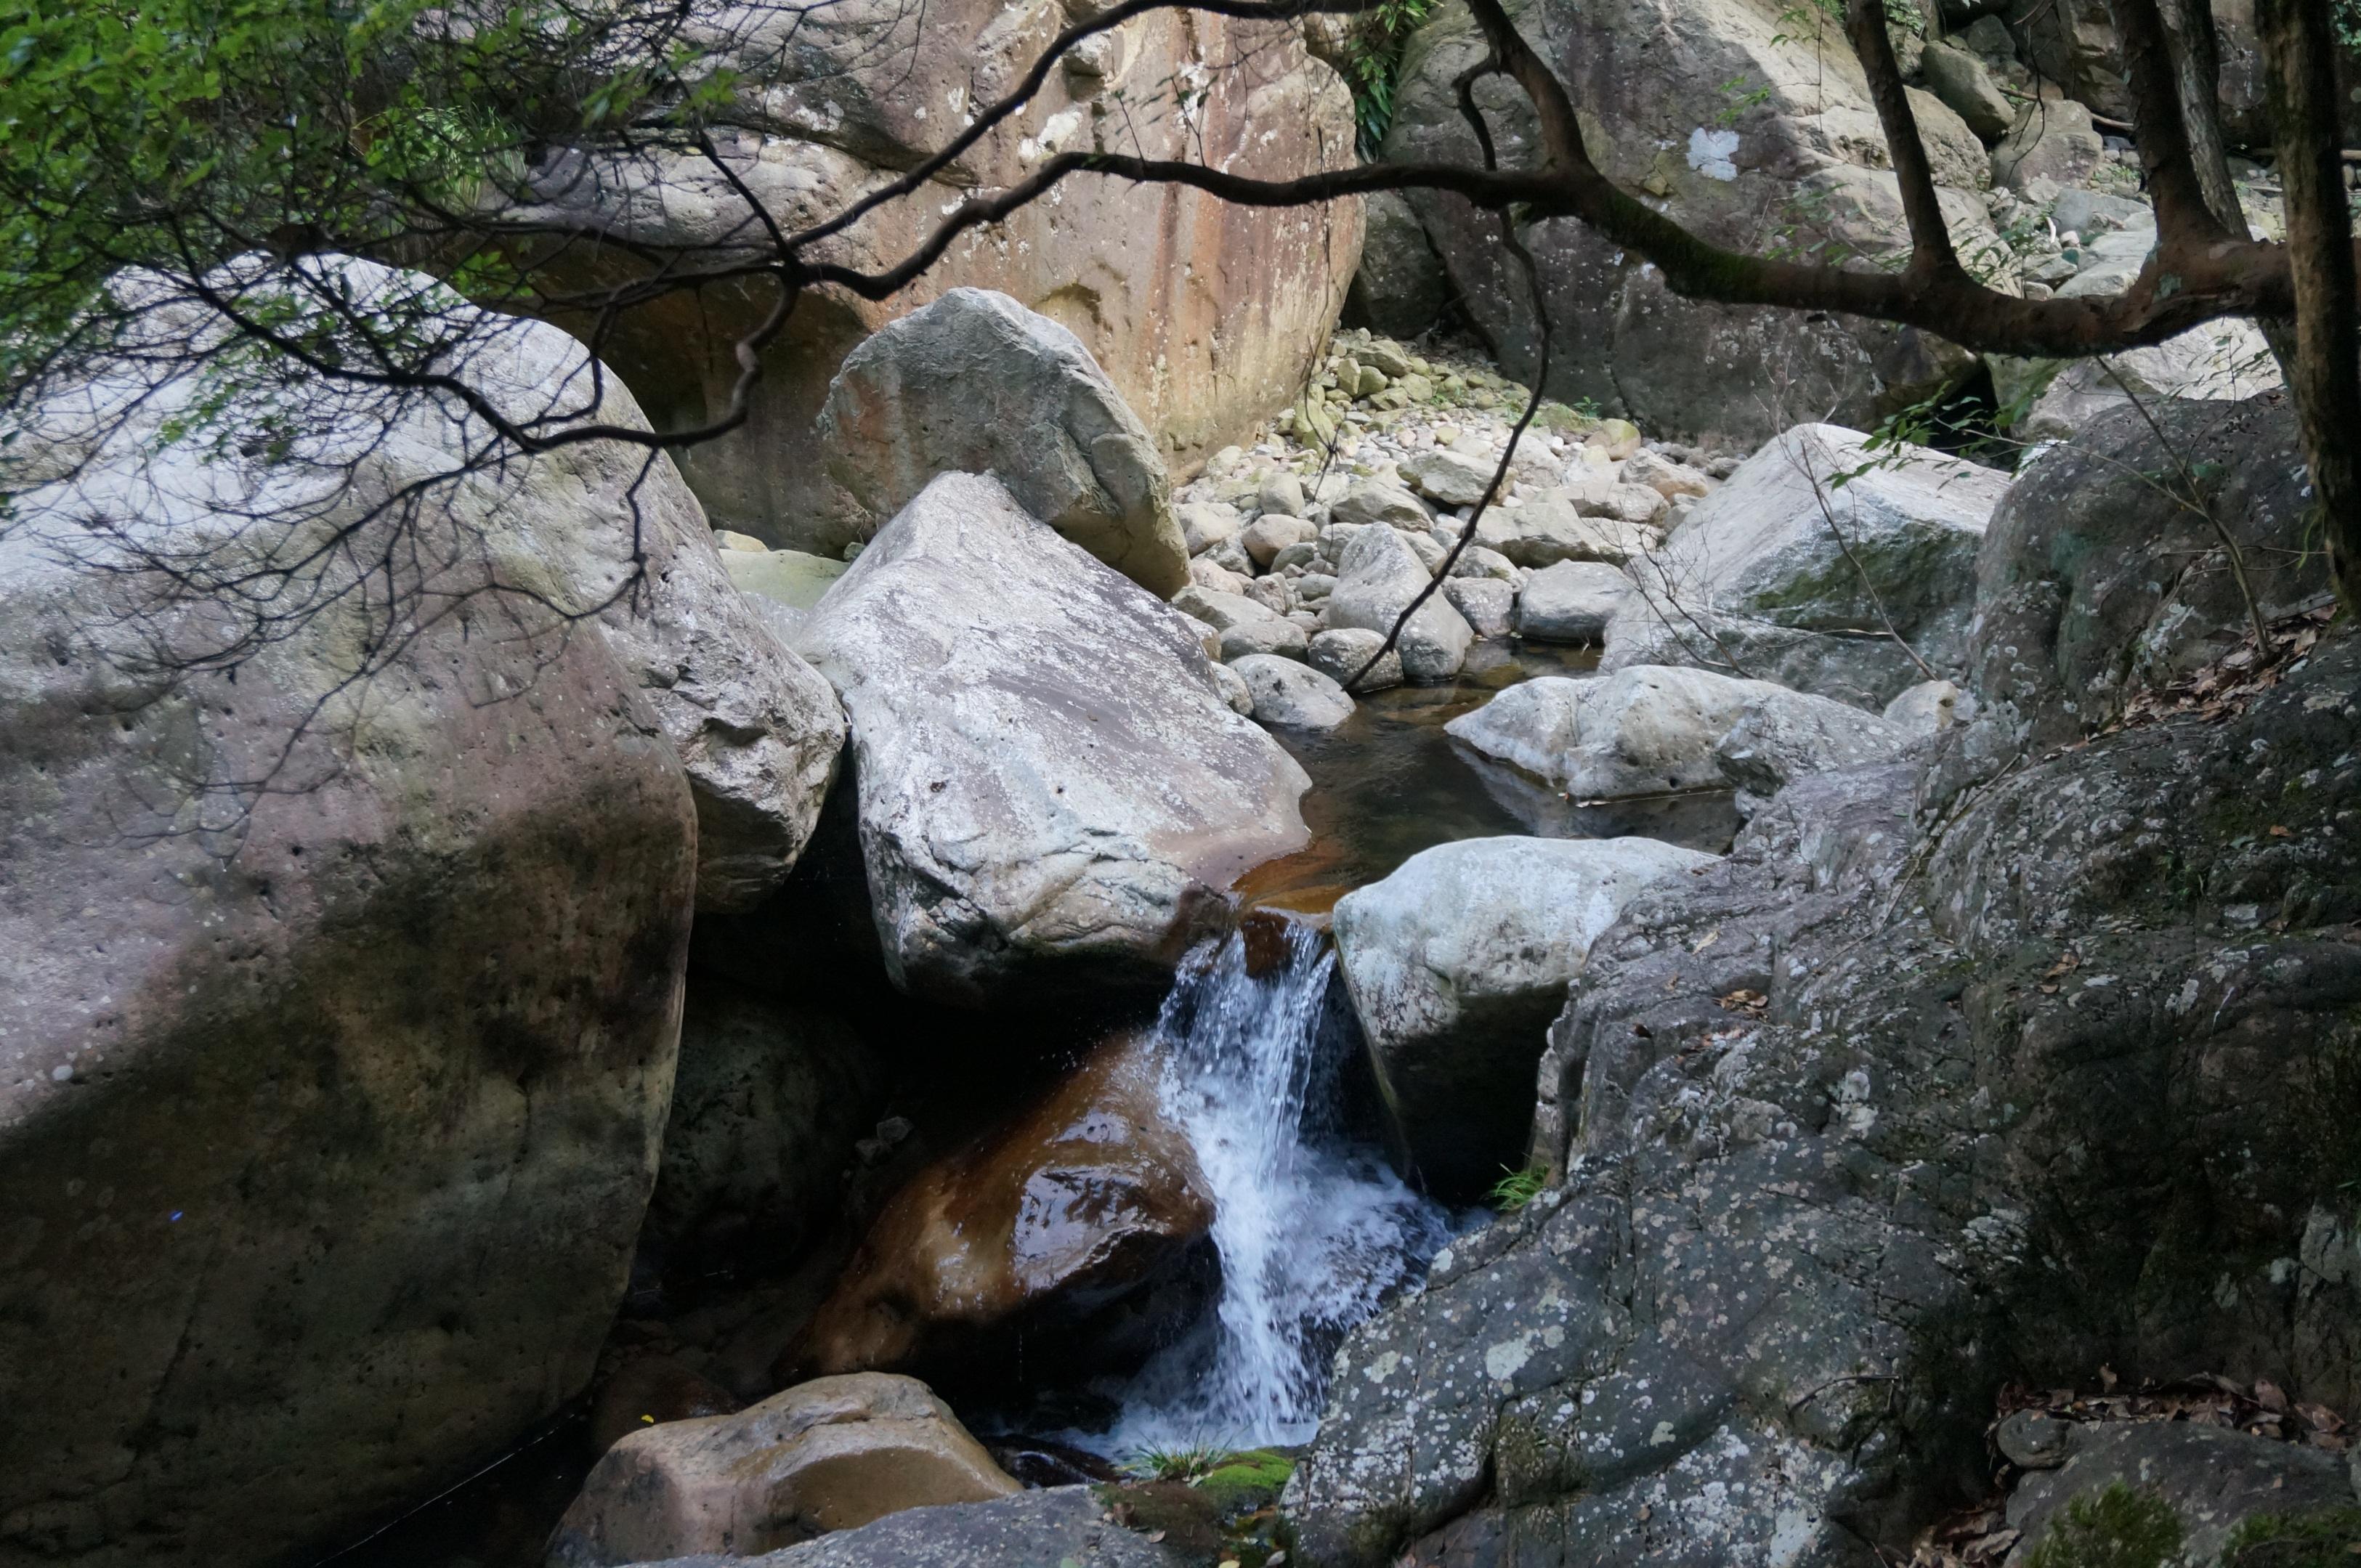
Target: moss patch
{"points": [[2330, 1538], [2118, 1528]]}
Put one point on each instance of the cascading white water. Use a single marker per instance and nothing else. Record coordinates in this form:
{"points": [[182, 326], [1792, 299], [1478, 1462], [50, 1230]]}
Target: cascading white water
{"points": [[1311, 1231]]}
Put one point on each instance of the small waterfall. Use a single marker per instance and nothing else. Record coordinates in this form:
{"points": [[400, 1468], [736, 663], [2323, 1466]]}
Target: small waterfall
{"points": [[1313, 1231]]}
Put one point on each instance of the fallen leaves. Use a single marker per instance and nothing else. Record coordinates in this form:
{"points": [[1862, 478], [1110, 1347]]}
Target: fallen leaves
{"points": [[1754, 1004]]}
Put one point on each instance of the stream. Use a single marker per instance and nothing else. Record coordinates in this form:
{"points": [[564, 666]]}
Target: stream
{"points": [[1314, 1229]]}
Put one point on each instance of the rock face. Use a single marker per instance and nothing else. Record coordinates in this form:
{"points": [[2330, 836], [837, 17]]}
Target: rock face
{"points": [[819, 114], [1640, 732], [767, 1102], [1052, 785], [1376, 578], [1458, 962], [1082, 1224], [1961, 1109], [835, 1453], [1792, 570], [977, 384], [2095, 585], [2224, 361], [1650, 76], [329, 1109], [2052, 139]]}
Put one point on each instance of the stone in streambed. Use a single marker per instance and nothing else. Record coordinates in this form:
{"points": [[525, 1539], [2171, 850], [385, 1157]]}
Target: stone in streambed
{"points": [[1342, 654], [1571, 601], [1080, 1231], [1640, 732], [1377, 577], [1487, 603], [834, 1454], [1292, 695], [1053, 786], [1458, 962]]}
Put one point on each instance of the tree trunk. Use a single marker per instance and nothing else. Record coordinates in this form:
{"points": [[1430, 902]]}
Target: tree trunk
{"points": [[2300, 52]]}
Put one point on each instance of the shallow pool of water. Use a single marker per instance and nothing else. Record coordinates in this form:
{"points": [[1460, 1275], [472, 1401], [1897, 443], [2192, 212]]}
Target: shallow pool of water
{"points": [[1389, 782]]}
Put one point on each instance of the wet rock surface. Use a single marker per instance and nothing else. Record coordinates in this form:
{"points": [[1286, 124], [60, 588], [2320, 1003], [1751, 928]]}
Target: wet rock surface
{"points": [[1077, 1229], [832, 1454], [1058, 1525]]}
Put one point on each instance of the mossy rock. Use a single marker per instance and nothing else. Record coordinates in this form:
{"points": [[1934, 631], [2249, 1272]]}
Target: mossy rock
{"points": [[1249, 1480], [2119, 1528], [2330, 1539]]}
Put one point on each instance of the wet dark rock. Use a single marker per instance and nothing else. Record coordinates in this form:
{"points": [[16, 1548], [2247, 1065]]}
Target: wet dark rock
{"points": [[1044, 1462], [2032, 1440], [1072, 1241], [649, 1390]]}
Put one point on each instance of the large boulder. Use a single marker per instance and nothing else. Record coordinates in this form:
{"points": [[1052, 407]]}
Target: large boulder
{"points": [[1377, 576], [977, 384], [834, 1454], [2105, 575], [1292, 694], [345, 971], [1822, 565], [1734, 117], [1458, 962], [1777, 743], [1647, 730], [1081, 1228], [1053, 788], [2214, 1489], [1861, 1126], [817, 113], [1571, 601]]}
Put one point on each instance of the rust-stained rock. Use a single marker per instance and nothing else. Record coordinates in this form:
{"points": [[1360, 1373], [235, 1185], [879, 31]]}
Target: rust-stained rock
{"points": [[1080, 1231], [832, 1454]]}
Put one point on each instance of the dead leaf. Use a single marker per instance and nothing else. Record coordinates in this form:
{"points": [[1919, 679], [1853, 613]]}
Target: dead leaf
{"points": [[1154, 1536], [2067, 964], [2268, 1395], [2107, 1378], [1744, 1001], [2319, 1418], [2279, 832]]}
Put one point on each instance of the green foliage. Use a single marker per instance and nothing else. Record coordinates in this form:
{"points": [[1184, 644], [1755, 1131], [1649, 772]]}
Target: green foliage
{"points": [[1182, 1462], [176, 133], [1374, 60], [2330, 1539], [1517, 1188], [2345, 15], [2118, 1528]]}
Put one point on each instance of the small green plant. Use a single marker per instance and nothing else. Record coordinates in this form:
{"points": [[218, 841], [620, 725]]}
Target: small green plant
{"points": [[1517, 1188], [1375, 57], [2118, 1528], [1181, 1461]]}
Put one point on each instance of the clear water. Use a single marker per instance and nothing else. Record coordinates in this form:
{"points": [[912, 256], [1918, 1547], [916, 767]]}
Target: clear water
{"points": [[1313, 1231]]}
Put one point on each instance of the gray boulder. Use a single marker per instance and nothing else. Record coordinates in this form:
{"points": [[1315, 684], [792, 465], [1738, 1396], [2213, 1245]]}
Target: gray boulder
{"points": [[1399, 287], [1570, 602], [1930, 707], [1775, 743], [1487, 603], [1242, 625], [2097, 585], [1452, 477], [1961, 81], [1375, 501], [1204, 525], [1341, 655], [1052, 785], [1289, 693], [1550, 529], [1456, 963], [977, 384], [1645, 730], [343, 1011], [1376, 578], [1794, 569], [2051, 139]]}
